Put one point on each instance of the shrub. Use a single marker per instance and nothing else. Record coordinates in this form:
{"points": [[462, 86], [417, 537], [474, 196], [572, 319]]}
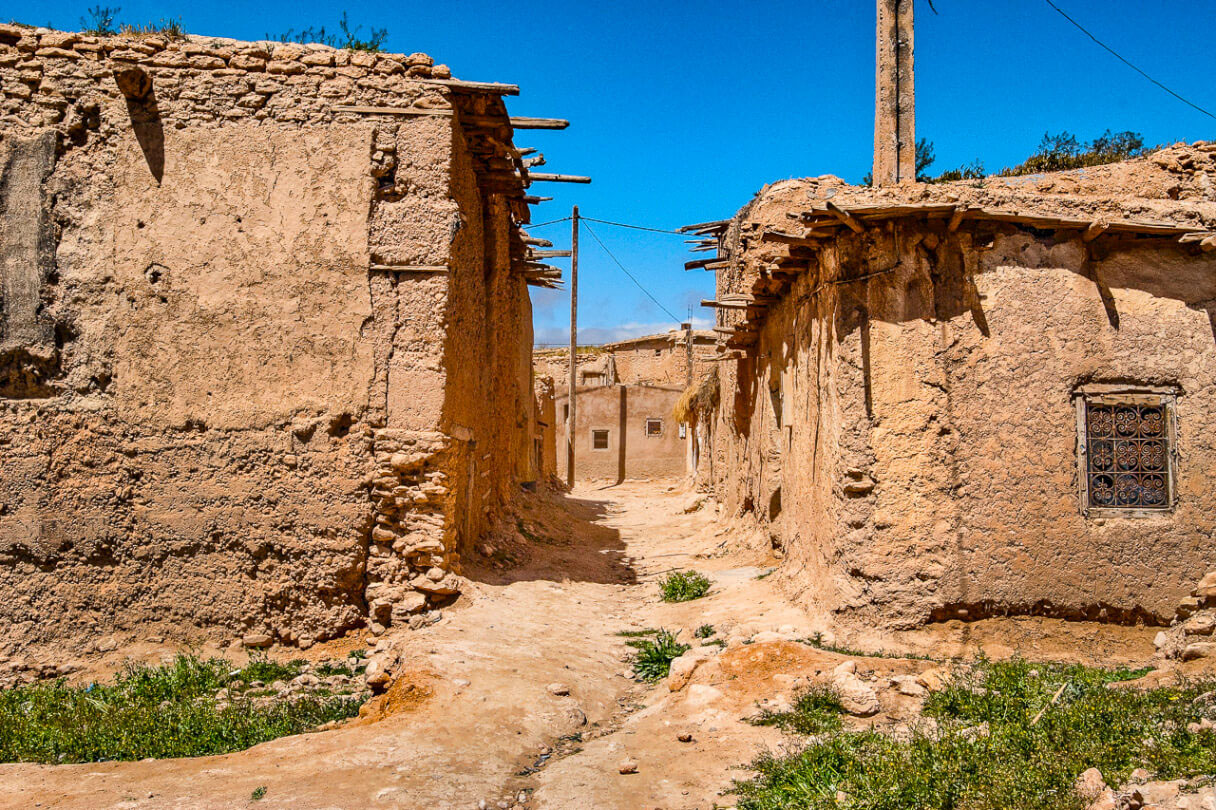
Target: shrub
{"points": [[348, 38], [100, 21], [684, 586], [815, 711], [705, 631], [162, 711], [169, 29], [989, 753], [1063, 151], [653, 659]]}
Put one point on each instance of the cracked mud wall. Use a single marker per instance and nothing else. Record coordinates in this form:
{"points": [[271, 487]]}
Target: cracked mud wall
{"points": [[924, 462]]}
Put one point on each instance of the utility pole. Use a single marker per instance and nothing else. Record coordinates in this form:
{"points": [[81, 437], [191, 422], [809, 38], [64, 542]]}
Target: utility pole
{"points": [[688, 350], [570, 417], [895, 95]]}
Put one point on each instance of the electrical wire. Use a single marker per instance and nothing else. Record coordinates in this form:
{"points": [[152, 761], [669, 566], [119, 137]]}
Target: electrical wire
{"points": [[1114, 53], [634, 227], [626, 272], [550, 222]]}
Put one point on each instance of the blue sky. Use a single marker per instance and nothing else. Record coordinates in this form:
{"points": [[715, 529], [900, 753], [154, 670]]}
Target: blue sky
{"points": [[681, 112]]}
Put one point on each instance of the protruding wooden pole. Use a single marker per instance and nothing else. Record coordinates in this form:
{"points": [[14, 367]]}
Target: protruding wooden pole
{"points": [[571, 418], [895, 95]]}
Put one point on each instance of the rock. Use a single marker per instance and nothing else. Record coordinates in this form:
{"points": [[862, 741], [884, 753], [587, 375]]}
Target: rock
{"points": [[683, 668], [1161, 793], [700, 694], [558, 689], [693, 503], [409, 603], [933, 679], [446, 586], [1161, 640], [907, 685], [1206, 589], [684, 736], [1200, 649], [1140, 775], [1090, 784], [1200, 625], [627, 766], [766, 636], [856, 696], [108, 644], [845, 668], [257, 640], [307, 679], [1188, 606]]}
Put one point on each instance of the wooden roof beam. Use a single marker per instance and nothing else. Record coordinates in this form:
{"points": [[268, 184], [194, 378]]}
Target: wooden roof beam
{"points": [[844, 216]]}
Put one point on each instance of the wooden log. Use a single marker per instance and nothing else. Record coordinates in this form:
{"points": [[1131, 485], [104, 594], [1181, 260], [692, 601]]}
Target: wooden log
{"points": [[537, 241], [495, 88], [956, 218], [549, 254], [1095, 229], [844, 216], [534, 200], [541, 177], [524, 122], [1208, 245], [712, 304], [698, 263], [716, 225], [539, 160]]}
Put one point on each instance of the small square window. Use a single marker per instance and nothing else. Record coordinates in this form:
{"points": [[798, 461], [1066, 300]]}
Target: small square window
{"points": [[654, 427], [1127, 453], [599, 440], [683, 430]]}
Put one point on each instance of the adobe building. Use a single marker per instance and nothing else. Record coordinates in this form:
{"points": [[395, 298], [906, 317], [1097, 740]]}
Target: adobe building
{"points": [[977, 398], [256, 298], [628, 391]]}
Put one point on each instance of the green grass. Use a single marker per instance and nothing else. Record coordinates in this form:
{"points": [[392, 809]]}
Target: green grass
{"points": [[653, 659], [258, 794], [705, 631], [818, 643], [261, 668], [815, 711], [684, 586], [648, 631], [1016, 763], [161, 712]]}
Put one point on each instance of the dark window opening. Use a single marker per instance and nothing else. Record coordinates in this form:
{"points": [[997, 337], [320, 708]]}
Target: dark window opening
{"points": [[599, 440], [654, 427]]}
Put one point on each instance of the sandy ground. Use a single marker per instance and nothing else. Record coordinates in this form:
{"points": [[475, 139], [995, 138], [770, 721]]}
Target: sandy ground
{"points": [[476, 717]]}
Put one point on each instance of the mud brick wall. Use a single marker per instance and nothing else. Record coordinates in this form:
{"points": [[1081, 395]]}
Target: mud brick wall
{"points": [[206, 386], [911, 446]]}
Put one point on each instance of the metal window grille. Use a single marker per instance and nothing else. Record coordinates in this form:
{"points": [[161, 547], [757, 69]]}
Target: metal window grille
{"points": [[599, 440], [1127, 453], [654, 427]]}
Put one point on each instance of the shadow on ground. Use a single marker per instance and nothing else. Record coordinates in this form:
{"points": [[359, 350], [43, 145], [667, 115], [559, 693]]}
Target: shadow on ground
{"points": [[555, 536]]}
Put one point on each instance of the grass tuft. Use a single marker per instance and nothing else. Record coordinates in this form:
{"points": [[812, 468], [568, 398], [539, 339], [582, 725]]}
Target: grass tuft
{"points": [[653, 659], [705, 631], [684, 586], [258, 794], [816, 710], [153, 711], [1014, 761]]}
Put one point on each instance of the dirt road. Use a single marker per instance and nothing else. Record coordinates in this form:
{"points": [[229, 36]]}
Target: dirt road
{"points": [[520, 695]]}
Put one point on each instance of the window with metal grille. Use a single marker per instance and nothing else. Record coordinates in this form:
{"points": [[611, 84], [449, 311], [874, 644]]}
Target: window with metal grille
{"points": [[599, 440], [654, 427], [1127, 452]]}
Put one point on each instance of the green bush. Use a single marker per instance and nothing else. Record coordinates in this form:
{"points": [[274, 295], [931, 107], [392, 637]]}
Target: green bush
{"points": [[988, 753], [653, 659], [705, 631], [163, 711], [684, 586], [815, 711]]}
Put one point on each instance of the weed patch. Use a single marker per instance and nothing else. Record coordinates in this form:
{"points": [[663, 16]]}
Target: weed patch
{"points": [[649, 631], [815, 711], [705, 631], [818, 643], [684, 586], [161, 712], [988, 752], [653, 659]]}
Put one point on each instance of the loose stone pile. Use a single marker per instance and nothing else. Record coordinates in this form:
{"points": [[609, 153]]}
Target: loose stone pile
{"points": [[1191, 635]]}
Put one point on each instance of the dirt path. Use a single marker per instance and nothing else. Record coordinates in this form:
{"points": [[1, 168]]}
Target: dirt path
{"points": [[483, 718]]}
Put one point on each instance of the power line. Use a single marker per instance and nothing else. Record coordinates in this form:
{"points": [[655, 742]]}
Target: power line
{"points": [[1114, 53], [600, 242], [550, 222], [634, 227]]}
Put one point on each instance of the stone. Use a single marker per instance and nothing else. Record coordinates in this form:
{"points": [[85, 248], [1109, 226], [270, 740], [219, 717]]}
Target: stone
{"points": [[1206, 588], [627, 766], [409, 603], [1202, 624], [907, 685], [1161, 640], [134, 82], [257, 640], [933, 679], [1140, 775], [1090, 784], [856, 696], [684, 736], [682, 669], [693, 503], [558, 689], [1199, 649], [284, 68], [419, 60], [1188, 606]]}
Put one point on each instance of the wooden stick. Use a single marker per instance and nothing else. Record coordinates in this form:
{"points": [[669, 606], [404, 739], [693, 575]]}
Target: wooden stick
{"points": [[705, 226], [695, 263], [522, 122], [536, 240], [1095, 229], [844, 216], [539, 160], [1053, 702], [496, 88], [557, 178], [956, 218], [549, 254], [533, 200]]}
